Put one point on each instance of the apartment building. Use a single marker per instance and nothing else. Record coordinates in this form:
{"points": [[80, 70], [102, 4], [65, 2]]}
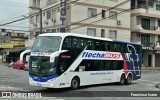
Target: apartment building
{"points": [[115, 26], [145, 29]]}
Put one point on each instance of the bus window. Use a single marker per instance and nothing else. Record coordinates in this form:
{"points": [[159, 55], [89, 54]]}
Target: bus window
{"points": [[112, 47], [96, 65], [74, 42], [138, 49], [66, 43], [90, 44], [132, 49], [63, 66], [107, 65], [97, 45], [79, 44], [107, 46]]}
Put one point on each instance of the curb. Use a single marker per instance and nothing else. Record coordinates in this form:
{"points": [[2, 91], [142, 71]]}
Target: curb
{"points": [[157, 85]]}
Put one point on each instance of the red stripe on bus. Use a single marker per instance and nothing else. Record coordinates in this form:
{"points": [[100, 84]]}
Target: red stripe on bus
{"points": [[65, 56]]}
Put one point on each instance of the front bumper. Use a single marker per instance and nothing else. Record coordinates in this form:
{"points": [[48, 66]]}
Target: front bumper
{"points": [[52, 83]]}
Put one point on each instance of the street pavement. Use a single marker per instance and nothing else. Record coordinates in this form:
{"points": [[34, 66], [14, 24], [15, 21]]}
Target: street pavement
{"points": [[17, 80]]}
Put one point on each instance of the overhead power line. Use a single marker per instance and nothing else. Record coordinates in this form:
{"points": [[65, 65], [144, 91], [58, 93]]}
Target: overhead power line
{"points": [[127, 10], [100, 13], [32, 15]]}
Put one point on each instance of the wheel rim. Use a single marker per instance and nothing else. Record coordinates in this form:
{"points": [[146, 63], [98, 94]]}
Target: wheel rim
{"points": [[129, 79], [122, 80], [74, 83]]}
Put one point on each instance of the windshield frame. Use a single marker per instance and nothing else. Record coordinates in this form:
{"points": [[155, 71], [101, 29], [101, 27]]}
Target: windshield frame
{"points": [[38, 69], [37, 50]]}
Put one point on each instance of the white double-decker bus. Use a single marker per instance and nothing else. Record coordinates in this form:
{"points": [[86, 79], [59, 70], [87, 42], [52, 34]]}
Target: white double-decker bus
{"points": [[61, 60]]}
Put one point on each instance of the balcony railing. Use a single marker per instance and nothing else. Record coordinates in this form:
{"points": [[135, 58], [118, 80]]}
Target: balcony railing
{"points": [[141, 6], [150, 27]]}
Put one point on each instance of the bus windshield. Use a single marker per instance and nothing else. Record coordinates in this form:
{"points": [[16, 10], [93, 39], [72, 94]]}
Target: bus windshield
{"points": [[46, 44]]}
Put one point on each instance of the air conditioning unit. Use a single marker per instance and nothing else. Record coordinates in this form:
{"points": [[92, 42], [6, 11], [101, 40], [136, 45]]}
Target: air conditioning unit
{"points": [[53, 20], [46, 22], [119, 22]]}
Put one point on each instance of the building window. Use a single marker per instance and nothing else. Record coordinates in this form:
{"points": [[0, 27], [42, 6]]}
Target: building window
{"points": [[49, 14], [54, 1], [54, 15], [102, 33], [158, 38], [158, 22], [103, 13], [48, 30], [91, 31], [145, 40], [145, 23], [49, 2], [37, 18], [151, 3], [112, 34], [38, 3], [53, 30], [113, 15], [32, 19], [34, 3], [92, 12], [157, 7]]}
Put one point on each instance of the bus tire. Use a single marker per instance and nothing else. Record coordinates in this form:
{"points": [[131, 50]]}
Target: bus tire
{"points": [[122, 79], [75, 83], [129, 79]]}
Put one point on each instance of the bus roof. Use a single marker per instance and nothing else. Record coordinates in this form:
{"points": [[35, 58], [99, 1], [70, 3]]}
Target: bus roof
{"points": [[63, 35], [74, 34], [133, 43]]}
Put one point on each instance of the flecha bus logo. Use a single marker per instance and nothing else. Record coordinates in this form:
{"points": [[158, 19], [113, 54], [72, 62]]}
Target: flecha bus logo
{"points": [[100, 55]]}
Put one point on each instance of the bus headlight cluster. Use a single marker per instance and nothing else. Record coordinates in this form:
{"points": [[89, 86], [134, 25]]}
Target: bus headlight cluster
{"points": [[30, 79], [51, 80]]}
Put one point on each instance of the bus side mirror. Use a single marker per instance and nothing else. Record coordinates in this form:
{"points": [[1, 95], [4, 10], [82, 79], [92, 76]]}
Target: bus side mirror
{"points": [[55, 54]]}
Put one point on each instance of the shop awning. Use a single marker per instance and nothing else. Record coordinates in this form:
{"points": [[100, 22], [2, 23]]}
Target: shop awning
{"points": [[16, 50]]}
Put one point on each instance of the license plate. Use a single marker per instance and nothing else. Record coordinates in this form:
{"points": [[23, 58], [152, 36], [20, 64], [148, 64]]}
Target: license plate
{"points": [[38, 84]]}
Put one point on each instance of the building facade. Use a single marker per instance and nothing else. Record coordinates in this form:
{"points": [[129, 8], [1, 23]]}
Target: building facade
{"points": [[145, 29], [11, 45], [112, 25]]}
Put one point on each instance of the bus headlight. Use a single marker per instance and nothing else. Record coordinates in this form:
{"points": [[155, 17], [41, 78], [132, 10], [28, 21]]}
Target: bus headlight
{"points": [[30, 79], [51, 80]]}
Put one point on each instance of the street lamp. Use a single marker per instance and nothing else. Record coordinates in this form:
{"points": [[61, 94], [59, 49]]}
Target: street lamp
{"points": [[40, 11]]}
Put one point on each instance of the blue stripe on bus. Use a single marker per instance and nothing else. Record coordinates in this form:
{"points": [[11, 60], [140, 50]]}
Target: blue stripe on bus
{"points": [[133, 43], [43, 79]]}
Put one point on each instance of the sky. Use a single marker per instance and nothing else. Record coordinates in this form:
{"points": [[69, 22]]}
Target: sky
{"points": [[11, 10]]}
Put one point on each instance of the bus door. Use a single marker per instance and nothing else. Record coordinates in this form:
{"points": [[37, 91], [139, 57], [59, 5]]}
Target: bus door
{"points": [[63, 75], [65, 61]]}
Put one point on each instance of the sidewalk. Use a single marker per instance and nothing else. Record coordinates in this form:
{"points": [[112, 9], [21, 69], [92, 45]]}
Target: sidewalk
{"points": [[150, 69]]}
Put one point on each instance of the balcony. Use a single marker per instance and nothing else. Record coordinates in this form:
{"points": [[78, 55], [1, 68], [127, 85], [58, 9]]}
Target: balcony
{"points": [[141, 10], [148, 45], [146, 30]]}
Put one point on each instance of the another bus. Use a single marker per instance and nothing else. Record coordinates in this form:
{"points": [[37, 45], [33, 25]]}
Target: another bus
{"points": [[61, 60]]}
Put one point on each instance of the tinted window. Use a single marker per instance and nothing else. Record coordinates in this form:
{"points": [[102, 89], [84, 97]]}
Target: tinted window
{"points": [[67, 43]]}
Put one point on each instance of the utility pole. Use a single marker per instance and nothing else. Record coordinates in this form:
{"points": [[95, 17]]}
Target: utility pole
{"points": [[40, 13]]}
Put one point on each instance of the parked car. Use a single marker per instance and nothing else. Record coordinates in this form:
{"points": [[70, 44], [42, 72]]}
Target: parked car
{"points": [[19, 64]]}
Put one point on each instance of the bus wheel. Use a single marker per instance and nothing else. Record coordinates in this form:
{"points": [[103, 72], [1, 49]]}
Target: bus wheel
{"points": [[122, 80], [129, 79], [75, 83]]}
